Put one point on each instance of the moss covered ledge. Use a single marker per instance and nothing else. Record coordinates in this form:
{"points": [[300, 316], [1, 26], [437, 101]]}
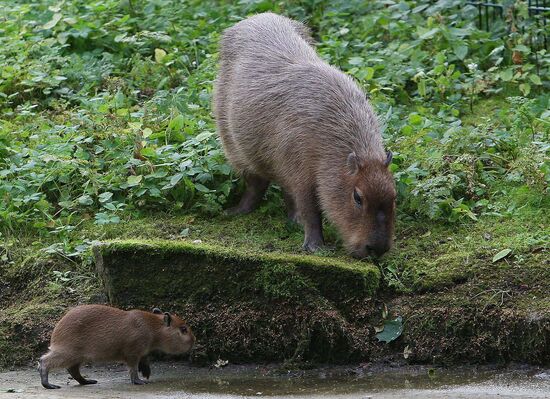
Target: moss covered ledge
{"points": [[145, 272], [245, 305]]}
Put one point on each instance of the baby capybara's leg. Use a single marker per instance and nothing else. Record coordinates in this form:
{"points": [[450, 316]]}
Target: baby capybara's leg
{"points": [[74, 371], [144, 368], [310, 217], [255, 190], [133, 366], [50, 360]]}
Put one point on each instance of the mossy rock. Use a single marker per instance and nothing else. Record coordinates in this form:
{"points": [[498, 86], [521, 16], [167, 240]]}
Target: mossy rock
{"points": [[446, 329], [244, 305], [24, 331]]}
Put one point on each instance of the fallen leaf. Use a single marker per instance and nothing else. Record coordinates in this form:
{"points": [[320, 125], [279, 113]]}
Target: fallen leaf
{"points": [[502, 254], [392, 330], [407, 352]]}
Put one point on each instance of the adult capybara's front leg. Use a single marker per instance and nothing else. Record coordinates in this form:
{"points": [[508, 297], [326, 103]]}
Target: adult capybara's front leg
{"points": [[310, 216]]}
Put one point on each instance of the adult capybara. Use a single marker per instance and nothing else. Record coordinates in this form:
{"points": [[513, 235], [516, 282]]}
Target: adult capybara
{"points": [[284, 115], [91, 333]]}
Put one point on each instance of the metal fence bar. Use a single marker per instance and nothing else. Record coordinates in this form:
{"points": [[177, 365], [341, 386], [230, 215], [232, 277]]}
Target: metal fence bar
{"points": [[488, 12]]}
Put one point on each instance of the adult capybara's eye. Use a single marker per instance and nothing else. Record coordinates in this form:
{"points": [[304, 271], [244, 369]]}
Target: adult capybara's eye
{"points": [[357, 197], [183, 329]]}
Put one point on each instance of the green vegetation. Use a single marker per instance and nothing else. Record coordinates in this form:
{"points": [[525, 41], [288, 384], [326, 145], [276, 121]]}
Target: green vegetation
{"points": [[106, 133]]}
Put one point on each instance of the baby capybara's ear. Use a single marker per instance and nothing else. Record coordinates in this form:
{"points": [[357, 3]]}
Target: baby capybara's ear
{"points": [[389, 156], [157, 311], [167, 319]]}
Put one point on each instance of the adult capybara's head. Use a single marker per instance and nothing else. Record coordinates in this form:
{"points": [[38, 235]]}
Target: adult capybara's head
{"points": [[366, 209], [175, 337]]}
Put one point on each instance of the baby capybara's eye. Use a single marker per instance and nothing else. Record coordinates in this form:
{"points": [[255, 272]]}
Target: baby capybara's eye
{"points": [[357, 197], [183, 330]]}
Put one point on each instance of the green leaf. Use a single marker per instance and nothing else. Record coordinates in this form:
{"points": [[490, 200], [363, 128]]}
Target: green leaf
{"points": [[507, 75], [461, 51], [522, 48], [356, 61], [203, 136], [202, 188], [148, 152], [428, 34], [134, 180], [159, 55], [106, 196], [407, 130], [502, 254], [105, 218], [176, 124], [415, 119], [392, 330], [85, 200], [119, 99], [535, 79], [176, 178], [184, 232], [369, 73], [147, 132], [119, 38], [55, 19], [422, 87], [525, 88], [110, 206]]}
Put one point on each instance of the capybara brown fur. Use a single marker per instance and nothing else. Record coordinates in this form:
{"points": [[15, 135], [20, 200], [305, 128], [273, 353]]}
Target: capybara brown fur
{"points": [[286, 116], [98, 333]]}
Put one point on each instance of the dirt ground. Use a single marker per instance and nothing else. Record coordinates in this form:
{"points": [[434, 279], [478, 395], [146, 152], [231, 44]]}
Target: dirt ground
{"points": [[170, 380]]}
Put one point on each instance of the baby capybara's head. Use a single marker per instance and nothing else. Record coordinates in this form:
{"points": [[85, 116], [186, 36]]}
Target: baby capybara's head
{"points": [[366, 206], [176, 336]]}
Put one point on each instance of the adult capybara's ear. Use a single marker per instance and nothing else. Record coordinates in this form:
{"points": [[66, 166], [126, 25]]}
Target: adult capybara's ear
{"points": [[157, 311], [167, 319], [352, 163]]}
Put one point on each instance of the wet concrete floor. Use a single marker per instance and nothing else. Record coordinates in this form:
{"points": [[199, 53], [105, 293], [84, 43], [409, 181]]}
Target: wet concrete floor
{"points": [[177, 380]]}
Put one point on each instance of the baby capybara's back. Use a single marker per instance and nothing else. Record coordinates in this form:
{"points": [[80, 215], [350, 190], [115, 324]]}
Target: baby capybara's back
{"points": [[285, 115], [91, 333], [94, 331]]}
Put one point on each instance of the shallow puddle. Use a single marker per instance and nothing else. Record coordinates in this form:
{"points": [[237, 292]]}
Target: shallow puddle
{"points": [[171, 380]]}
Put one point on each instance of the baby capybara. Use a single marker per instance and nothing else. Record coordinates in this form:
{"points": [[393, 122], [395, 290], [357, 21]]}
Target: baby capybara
{"points": [[91, 333], [286, 116]]}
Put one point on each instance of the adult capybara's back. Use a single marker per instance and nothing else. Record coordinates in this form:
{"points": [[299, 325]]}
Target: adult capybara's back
{"points": [[286, 116]]}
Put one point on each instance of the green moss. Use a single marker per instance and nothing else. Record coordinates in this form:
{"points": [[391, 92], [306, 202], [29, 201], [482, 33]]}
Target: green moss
{"points": [[244, 304], [204, 270], [458, 326], [486, 108], [430, 257], [24, 331], [251, 294]]}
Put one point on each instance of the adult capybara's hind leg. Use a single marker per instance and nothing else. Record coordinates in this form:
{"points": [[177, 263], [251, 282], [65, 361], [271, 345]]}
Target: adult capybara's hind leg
{"points": [[74, 371], [291, 211], [45, 364], [255, 190]]}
